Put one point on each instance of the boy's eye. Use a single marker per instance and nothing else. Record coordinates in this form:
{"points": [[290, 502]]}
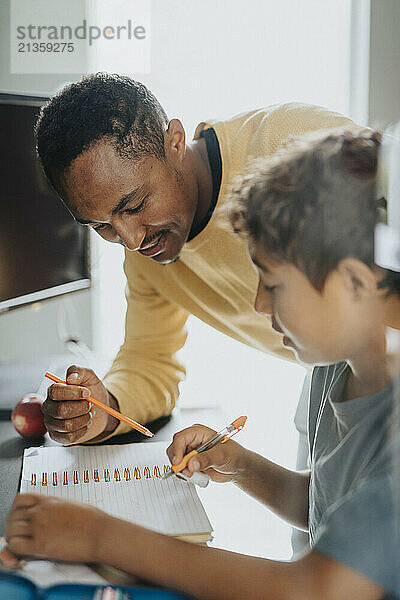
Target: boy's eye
{"points": [[269, 289]]}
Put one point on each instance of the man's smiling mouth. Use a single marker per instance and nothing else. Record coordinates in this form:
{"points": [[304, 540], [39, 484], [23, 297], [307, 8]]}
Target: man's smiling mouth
{"points": [[152, 244], [155, 247]]}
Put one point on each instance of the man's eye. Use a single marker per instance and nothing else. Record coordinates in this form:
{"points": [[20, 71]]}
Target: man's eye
{"points": [[100, 227], [138, 208], [269, 288]]}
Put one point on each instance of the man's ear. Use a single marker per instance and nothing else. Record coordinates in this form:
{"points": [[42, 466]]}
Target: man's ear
{"points": [[357, 277], [175, 142]]}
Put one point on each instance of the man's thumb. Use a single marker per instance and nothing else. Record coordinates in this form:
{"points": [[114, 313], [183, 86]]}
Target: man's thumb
{"points": [[73, 377]]}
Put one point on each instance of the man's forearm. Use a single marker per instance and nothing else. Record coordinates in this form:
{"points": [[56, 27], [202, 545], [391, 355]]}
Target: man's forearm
{"points": [[284, 491]]}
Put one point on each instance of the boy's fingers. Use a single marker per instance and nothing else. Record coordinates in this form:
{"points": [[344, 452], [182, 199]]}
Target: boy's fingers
{"points": [[206, 460], [21, 545], [25, 500], [186, 440], [17, 527], [20, 514], [180, 442], [198, 463], [8, 558]]}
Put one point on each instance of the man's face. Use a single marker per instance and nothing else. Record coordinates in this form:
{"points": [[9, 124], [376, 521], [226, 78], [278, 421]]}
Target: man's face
{"points": [[140, 204], [320, 327]]}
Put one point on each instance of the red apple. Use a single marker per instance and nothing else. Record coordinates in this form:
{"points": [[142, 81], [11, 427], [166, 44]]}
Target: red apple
{"points": [[27, 416]]}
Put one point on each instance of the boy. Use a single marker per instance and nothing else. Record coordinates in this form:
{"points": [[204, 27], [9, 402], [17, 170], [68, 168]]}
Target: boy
{"points": [[308, 215]]}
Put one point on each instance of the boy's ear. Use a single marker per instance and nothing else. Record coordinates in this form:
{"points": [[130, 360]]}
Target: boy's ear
{"points": [[358, 278], [175, 141]]}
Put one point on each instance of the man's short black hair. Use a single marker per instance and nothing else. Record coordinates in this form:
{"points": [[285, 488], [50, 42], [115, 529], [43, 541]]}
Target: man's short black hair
{"points": [[99, 106]]}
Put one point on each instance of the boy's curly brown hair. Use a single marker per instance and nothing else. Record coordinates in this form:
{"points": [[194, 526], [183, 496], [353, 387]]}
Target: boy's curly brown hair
{"points": [[314, 202]]}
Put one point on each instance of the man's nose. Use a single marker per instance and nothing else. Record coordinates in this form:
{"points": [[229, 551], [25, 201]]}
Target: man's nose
{"points": [[131, 236]]}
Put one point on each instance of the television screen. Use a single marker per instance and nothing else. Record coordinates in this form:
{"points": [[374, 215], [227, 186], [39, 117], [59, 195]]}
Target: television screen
{"points": [[43, 252]]}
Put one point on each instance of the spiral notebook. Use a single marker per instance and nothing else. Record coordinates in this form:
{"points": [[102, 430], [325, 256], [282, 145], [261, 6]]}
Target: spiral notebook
{"points": [[124, 481]]}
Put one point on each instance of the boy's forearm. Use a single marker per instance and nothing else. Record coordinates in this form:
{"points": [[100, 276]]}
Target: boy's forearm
{"points": [[284, 491], [196, 570]]}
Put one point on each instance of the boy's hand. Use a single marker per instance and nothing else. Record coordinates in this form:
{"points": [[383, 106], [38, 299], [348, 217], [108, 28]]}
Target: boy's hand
{"points": [[68, 416], [46, 527], [223, 463]]}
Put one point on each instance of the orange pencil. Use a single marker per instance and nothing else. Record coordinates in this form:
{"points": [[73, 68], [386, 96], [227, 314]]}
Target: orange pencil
{"points": [[108, 409]]}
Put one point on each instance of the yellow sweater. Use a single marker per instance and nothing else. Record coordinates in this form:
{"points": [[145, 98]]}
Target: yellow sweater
{"points": [[213, 278]]}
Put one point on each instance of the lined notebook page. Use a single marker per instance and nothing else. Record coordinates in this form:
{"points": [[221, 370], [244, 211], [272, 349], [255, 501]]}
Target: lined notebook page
{"points": [[124, 481]]}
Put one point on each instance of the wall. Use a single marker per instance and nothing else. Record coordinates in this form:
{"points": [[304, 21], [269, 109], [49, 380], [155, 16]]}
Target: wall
{"points": [[375, 62], [384, 71]]}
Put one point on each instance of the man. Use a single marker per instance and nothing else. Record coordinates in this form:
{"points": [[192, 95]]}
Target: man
{"points": [[123, 169]]}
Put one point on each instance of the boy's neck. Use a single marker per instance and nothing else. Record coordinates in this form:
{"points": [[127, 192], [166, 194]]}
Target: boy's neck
{"points": [[392, 311], [378, 361], [367, 377]]}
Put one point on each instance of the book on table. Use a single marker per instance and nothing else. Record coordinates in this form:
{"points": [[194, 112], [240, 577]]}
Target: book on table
{"points": [[123, 480]]}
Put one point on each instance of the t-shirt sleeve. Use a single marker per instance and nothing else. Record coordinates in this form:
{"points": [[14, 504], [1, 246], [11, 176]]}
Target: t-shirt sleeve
{"points": [[362, 532], [145, 374]]}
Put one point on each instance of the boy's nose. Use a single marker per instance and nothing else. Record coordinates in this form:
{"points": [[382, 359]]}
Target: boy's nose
{"points": [[262, 303]]}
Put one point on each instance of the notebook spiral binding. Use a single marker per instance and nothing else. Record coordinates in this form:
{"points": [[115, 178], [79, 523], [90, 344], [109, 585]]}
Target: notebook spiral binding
{"points": [[86, 475]]}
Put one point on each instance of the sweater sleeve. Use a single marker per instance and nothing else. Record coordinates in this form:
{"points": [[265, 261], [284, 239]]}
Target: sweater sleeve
{"points": [[260, 133], [145, 374]]}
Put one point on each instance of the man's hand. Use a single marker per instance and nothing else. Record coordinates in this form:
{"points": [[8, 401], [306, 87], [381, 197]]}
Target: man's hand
{"points": [[223, 463], [51, 528], [71, 419]]}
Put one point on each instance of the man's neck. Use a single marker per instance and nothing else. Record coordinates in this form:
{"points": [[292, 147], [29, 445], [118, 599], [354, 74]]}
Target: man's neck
{"points": [[197, 161]]}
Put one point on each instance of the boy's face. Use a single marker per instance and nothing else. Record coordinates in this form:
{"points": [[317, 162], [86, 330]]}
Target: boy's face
{"points": [[321, 327]]}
